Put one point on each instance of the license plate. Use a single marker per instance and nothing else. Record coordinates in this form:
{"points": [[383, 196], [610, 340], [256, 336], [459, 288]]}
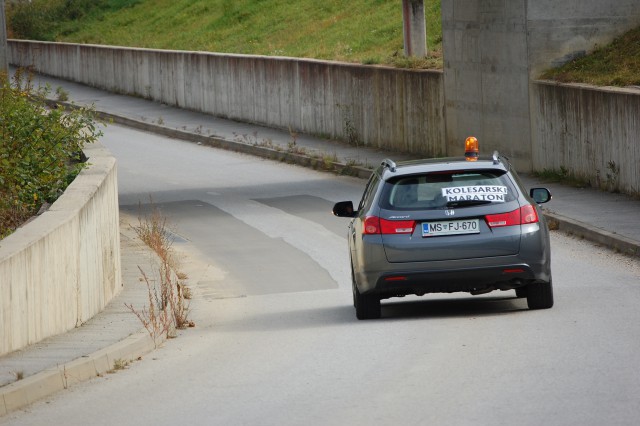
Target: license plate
{"points": [[451, 227]]}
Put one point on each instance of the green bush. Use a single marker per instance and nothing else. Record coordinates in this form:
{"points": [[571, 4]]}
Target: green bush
{"points": [[45, 19], [28, 20], [40, 149]]}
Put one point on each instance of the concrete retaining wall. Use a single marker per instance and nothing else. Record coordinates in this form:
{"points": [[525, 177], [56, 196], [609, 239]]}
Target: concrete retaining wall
{"points": [[382, 107], [486, 91], [62, 268], [591, 132]]}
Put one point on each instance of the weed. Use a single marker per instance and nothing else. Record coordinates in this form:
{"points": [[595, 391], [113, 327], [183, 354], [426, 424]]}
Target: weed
{"points": [[185, 291], [61, 94], [160, 121], [155, 320], [350, 131], [350, 168], [65, 377], [613, 177], [167, 309], [328, 160], [295, 149], [19, 375], [247, 139], [119, 364], [294, 137]]}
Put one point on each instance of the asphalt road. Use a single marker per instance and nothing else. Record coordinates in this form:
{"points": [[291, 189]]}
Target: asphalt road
{"points": [[277, 342]]}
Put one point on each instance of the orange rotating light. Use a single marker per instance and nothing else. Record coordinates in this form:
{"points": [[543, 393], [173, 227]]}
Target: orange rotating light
{"points": [[471, 149]]}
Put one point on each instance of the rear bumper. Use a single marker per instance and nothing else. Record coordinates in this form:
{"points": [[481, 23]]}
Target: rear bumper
{"points": [[479, 276], [471, 280]]}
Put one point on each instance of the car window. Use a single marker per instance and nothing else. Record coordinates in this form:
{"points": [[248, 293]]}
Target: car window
{"points": [[369, 190], [434, 191]]}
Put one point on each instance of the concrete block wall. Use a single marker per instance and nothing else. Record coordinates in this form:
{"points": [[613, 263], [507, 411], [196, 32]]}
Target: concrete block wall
{"points": [[592, 132], [381, 107], [62, 268]]}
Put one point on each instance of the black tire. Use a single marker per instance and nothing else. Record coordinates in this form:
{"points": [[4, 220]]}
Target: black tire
{"points": [[540, 295], [367, 305]]}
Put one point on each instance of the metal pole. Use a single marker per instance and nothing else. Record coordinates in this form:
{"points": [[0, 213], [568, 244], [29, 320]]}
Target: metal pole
{"points": [[4, 56], [415, 28]]}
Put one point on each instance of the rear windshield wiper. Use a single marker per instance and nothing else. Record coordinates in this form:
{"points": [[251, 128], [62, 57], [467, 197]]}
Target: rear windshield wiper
{"points": [[467, 203]]}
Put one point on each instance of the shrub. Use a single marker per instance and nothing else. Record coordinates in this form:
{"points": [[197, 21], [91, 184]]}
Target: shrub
{"points": [[45, 19], [40, 149]]}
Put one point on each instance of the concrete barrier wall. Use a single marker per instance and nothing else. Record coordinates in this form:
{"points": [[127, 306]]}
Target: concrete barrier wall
{"points": [[62, 268], [591, 132], [382, 107], [387, 108]]}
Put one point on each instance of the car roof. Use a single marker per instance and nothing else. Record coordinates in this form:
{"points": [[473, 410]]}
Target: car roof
{"points": [[392, 169]]}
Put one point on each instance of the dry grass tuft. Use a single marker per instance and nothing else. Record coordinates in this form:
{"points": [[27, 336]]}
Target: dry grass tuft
{"points": [[168, 308]]}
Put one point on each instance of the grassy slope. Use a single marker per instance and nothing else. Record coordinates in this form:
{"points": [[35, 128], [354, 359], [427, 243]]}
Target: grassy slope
{"points": [[617, 64], [368, 31]]}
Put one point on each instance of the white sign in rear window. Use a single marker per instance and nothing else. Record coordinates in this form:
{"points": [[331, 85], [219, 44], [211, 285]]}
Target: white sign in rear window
{"points": [[494, 193]]}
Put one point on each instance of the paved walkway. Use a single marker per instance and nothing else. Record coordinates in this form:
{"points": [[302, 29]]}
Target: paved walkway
{"points": [[609, 219]]}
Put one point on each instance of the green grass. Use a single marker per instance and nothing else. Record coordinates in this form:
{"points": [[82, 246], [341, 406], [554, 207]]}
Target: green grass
{"points": [[362, 31], [617, 64]]}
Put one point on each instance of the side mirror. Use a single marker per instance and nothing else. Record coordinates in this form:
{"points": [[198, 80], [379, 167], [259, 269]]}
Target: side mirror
{"points": [[344, 209], [540, 195]]}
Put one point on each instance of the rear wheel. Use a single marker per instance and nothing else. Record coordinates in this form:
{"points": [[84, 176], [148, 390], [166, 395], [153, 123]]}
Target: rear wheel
{"points": [[540, 295], [521, 291], [367, 305]]}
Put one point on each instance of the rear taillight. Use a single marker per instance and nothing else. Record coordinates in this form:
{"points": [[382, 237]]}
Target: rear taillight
{"points": [[529, 214], [376, 225], [521, 216], [371, 225]]}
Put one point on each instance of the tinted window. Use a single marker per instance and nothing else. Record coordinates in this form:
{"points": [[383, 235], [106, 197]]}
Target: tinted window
{"points": [[369, 190], [435, 191]]}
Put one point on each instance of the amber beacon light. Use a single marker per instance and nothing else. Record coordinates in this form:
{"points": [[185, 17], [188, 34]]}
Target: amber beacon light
{"points": [[471, 148]]}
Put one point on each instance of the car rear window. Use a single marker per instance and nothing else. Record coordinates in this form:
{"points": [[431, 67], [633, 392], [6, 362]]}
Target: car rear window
{"points": [[438, 190]]}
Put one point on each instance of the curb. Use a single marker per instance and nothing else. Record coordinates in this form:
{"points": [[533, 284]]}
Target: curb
{"points": [[316, 163], [616, 242], [24, 392]]}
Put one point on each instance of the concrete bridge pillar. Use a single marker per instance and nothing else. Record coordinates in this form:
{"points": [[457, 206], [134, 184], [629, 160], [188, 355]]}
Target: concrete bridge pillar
{"points": [[486, 77]]}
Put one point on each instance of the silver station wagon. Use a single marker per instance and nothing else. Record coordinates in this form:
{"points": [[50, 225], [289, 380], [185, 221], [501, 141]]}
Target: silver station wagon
{"points": [[447, 225]]}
